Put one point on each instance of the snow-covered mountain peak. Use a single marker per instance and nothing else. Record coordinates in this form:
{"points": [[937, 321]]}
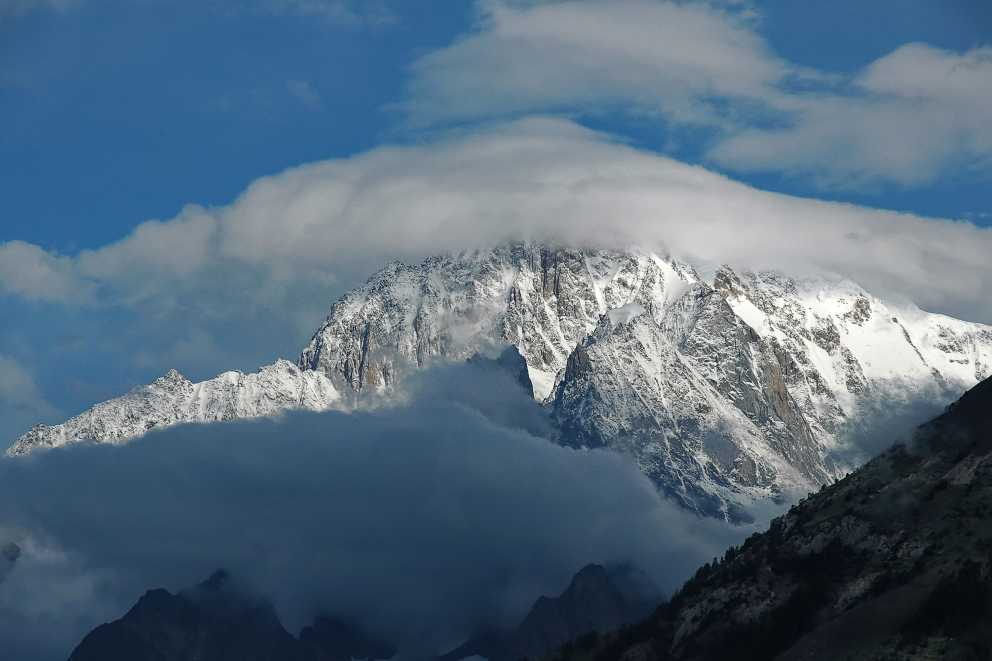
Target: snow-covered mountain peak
{"points": [[542, 299], [723, 391]]}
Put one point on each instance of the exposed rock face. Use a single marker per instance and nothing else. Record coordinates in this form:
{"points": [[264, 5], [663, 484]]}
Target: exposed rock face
{"points": [[543, 300], [595, 600], [723, 393], [216, 622], [837, 342], [173, 399], [891, 562]]}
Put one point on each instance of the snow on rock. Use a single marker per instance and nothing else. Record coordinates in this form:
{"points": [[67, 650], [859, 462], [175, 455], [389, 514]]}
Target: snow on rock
{"points": [[173, 399], [723, 392], [543, 300]]}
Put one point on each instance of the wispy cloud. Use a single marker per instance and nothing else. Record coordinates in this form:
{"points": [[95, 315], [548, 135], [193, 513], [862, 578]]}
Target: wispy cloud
{"points": [[28, 271], [680, 60], [906, 119], [371, 13], [10, 8], [305, 92]]}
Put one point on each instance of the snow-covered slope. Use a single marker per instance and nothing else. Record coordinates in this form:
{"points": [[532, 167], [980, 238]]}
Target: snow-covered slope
{"points": [[723, 391], [173, 399], [837, 342], [543, 300], [697, 399]]}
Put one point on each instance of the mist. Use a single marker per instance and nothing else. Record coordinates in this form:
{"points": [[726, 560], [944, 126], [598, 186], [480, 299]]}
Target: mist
{"points": [[888, 416], [423, 521]]}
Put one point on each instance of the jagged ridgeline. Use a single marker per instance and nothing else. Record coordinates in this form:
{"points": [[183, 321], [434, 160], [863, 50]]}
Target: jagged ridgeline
{"points": [[892, 562], [218, 620], [724, 389]]}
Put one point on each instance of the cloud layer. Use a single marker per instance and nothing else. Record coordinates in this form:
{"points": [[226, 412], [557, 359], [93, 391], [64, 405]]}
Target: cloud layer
{"points": [[907, 118], [425, 521], [335, 221], [238, 285]]}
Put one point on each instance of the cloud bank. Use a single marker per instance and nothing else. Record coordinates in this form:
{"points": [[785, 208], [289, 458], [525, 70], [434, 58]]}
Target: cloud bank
{"points": [[425, 521], [908, 118], [236, 286], [543, 178]]}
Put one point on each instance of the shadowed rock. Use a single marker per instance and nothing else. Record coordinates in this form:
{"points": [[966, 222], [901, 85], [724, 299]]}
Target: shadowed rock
{"points": [[217, 621], [892, 562]]}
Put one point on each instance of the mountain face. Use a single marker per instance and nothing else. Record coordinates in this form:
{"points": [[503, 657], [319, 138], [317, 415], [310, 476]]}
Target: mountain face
{"points": [[214, 621], [892, 562], [173, 399], [595, 600], [724, 390]]}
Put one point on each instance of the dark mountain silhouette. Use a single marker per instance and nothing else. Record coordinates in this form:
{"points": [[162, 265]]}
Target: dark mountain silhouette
{"points": [[216, 621], [595, 600]]}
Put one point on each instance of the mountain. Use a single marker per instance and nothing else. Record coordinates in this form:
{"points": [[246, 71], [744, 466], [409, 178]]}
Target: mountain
{"points": [[595, 600], [725, 390], [892, 562], [215, 621], [173, 399]]}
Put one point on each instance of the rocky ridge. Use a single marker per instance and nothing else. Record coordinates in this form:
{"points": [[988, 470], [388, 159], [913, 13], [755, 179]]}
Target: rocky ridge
{"points": [[172, 399], [724, 389], [217, 620]]}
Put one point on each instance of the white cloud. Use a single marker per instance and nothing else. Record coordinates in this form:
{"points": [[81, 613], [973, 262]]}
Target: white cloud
{"points": [[28, 271], [905, 119], [910, 117], [677, 59], [551, 178]]}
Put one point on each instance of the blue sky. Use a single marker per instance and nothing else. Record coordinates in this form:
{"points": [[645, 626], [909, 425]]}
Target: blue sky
{"points": [[130, 110], [133, 109], [117, 113]]}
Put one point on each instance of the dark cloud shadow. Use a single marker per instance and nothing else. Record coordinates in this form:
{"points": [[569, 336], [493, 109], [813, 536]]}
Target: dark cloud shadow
{"points": [[424, 521]]}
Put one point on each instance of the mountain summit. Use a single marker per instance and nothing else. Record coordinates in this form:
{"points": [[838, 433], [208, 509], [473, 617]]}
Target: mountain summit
{"points": [[724, 390]]}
